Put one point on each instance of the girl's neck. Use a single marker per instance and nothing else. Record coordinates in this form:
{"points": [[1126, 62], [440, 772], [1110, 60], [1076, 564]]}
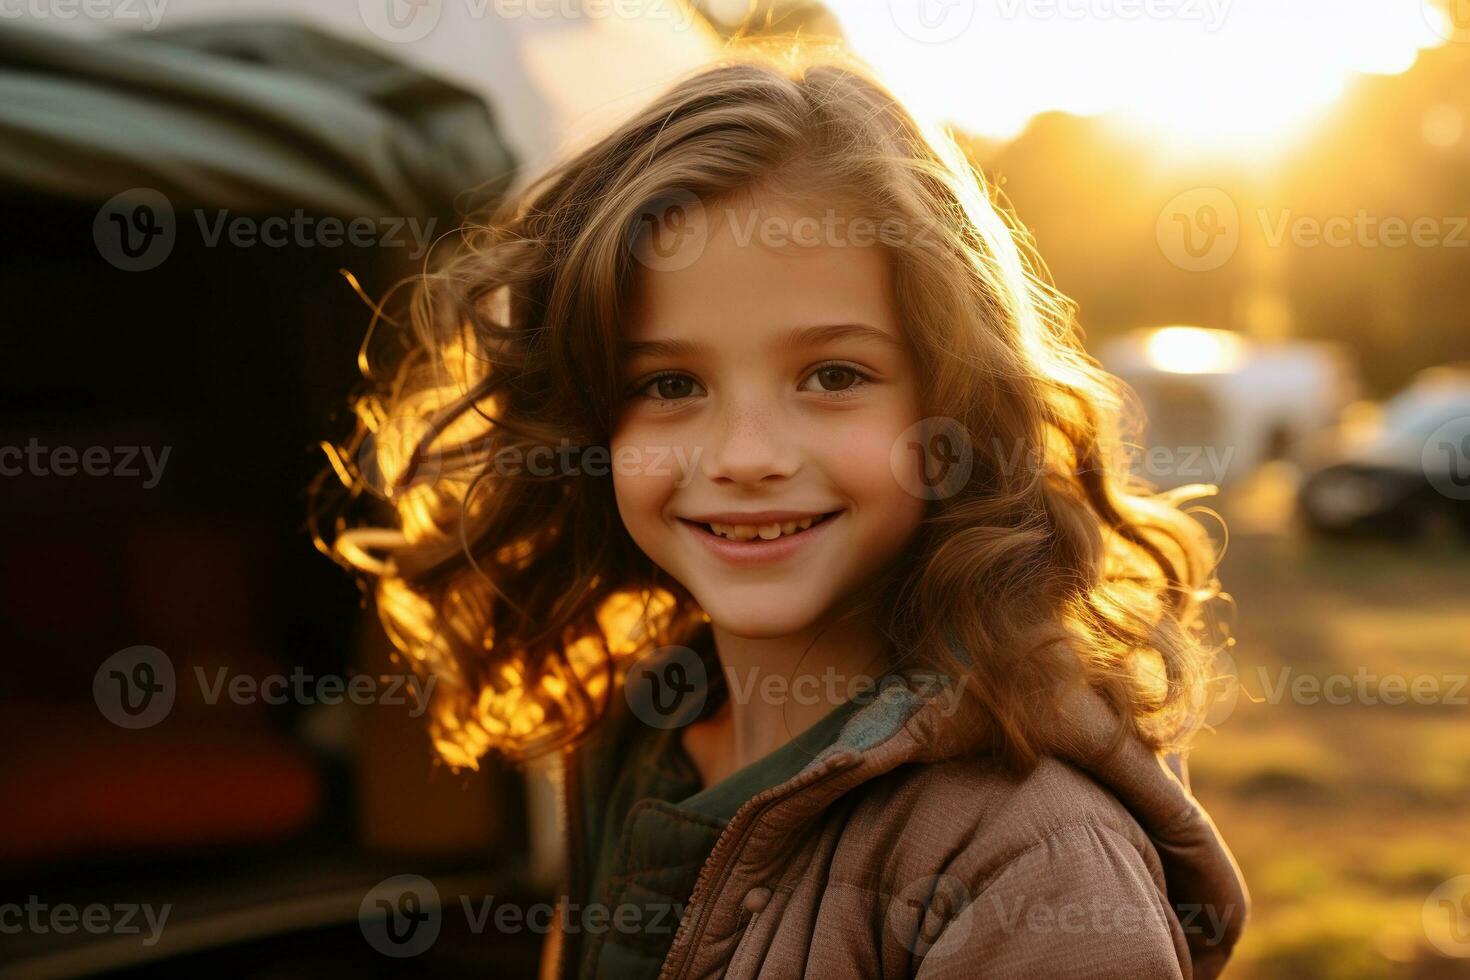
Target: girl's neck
{"points": [[781, 686]]}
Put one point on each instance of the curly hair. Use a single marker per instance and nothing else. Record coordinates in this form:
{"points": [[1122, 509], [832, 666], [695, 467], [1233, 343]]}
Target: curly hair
{"points": [[520, 590]]}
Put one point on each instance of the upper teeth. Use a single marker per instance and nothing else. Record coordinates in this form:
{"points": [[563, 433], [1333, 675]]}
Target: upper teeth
{"points": [[767, 532]]}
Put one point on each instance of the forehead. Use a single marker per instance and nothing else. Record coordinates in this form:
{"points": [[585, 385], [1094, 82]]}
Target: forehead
{"points": [[754, 262]]}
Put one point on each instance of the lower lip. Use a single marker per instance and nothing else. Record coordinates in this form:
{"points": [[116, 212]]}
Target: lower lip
{"points": [[758, 550]]}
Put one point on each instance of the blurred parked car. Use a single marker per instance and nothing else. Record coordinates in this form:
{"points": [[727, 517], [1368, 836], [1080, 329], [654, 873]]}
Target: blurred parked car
{"points": [[1219, 404], [1405, 472]]}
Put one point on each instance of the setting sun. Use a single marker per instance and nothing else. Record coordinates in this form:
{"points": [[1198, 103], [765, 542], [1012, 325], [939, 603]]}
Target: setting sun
{"points": [[1239, 78]]}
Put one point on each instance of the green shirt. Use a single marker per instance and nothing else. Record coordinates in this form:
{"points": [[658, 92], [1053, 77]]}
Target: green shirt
{"points": [[655, 828]]}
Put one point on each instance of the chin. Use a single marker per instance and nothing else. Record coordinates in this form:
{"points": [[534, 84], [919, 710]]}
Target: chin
{"points": [[754, 619]]}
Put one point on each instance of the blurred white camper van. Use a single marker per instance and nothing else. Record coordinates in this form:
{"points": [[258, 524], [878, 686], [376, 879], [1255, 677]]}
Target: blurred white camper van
{"points": [[1219, 404]]}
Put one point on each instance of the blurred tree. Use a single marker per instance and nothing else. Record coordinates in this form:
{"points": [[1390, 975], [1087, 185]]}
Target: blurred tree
{"points": [[1400, 155], [1396, 149]]}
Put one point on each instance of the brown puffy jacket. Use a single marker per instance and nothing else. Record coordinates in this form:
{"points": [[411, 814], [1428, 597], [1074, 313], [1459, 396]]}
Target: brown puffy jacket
{"points": [[898, 852]]}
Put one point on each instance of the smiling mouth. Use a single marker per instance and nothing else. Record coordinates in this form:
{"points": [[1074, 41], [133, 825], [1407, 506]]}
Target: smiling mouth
{"points": [[760, 532]]}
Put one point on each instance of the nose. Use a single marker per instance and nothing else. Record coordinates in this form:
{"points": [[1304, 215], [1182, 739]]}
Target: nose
{"points": [[750, 445]]}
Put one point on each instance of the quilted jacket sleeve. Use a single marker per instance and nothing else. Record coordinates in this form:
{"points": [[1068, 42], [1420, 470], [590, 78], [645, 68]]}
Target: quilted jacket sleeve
{"points": [[1079, 903]]}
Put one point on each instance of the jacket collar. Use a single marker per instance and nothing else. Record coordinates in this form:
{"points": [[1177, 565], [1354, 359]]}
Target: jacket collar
{"points": [[903, 726]]}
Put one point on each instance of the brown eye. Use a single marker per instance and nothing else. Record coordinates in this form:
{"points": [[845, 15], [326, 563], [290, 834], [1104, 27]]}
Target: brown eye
{"points": [[673, 387], [836, 377], [670, 387]]}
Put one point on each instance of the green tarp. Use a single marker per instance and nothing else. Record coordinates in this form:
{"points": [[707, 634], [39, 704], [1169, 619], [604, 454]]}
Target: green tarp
{"points": [[251, 116]]}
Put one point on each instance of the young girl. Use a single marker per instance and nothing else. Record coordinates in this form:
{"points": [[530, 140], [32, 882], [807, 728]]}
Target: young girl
{"points": [[751, 461]]}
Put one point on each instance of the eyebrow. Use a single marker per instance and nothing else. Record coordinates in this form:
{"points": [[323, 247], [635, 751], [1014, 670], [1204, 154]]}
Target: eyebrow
{"points": [[798, 337]]}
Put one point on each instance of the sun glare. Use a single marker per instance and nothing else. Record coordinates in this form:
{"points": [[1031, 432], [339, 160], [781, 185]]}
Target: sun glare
{"points": [[1238, 78]]}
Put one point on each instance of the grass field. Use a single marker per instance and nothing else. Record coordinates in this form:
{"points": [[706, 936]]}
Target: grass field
{"points": [[1346, 812]]}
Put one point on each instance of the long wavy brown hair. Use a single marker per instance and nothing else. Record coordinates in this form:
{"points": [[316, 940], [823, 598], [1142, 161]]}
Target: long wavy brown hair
{"points": [[516, 584]]}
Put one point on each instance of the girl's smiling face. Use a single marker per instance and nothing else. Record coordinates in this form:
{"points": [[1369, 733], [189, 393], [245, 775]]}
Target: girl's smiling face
{"points": [[767, 385]]}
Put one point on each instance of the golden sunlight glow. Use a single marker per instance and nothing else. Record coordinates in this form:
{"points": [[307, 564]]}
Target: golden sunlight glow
{"points": [[1194, 350], [623, 617], [359, 547], [1238, 77]]}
